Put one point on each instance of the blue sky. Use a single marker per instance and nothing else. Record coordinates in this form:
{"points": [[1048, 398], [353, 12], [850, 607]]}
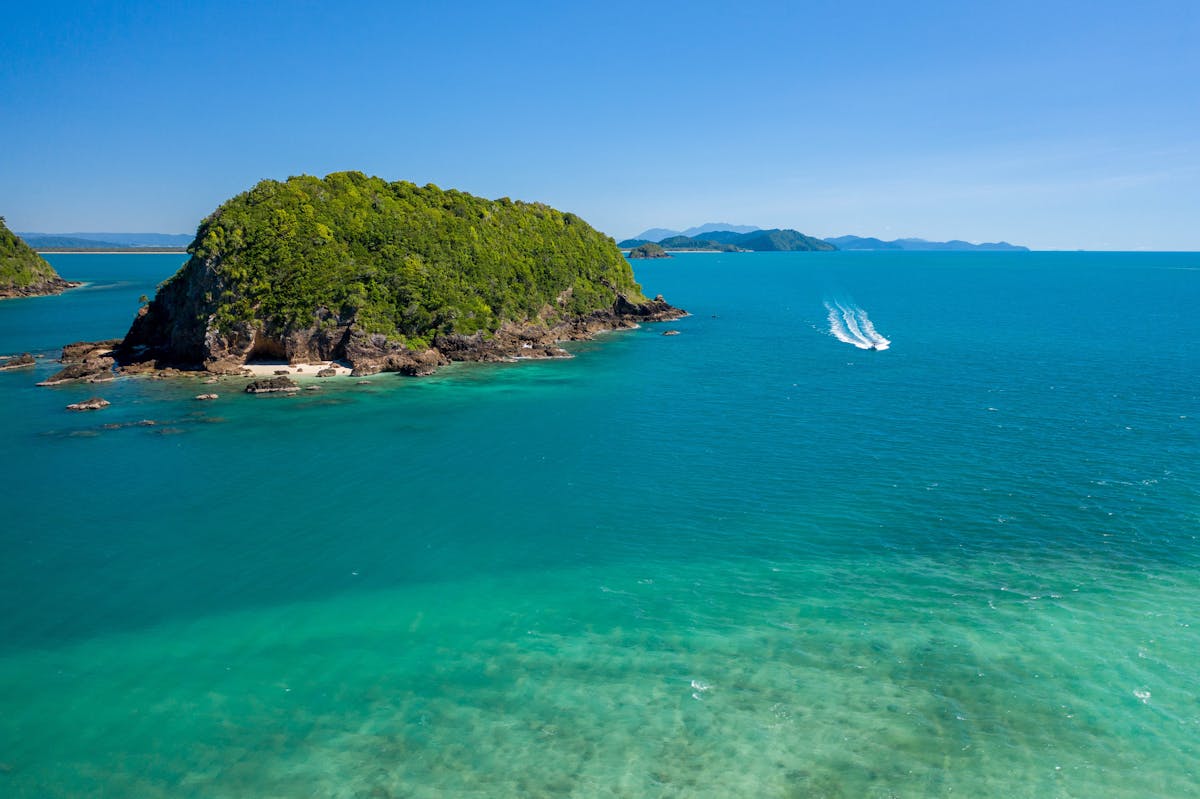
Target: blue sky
{"points": [[1052, 124]]}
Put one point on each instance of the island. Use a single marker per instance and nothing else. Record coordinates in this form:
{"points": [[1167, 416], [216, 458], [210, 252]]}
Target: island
{"points": [[24, 273], [921, 245], [648, 250], [381, 276]]}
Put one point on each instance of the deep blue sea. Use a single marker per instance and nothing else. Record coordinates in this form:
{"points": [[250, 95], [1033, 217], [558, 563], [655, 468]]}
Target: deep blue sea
{"points": [[752, 559]]}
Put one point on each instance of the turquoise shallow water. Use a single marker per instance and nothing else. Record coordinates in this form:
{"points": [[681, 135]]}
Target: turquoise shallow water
{"points": [[749, 560]]}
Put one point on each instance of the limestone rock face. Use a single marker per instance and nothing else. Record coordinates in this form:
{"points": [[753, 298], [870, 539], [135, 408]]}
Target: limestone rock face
{"points": [[370, 354], [367, 354], [331, 338]]}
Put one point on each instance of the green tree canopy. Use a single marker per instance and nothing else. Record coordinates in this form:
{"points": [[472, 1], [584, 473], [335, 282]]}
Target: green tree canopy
{"points": [[399, 259]]}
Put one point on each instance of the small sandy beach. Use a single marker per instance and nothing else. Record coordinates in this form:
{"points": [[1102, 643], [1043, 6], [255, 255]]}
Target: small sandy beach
{"points": [[296, 370]]}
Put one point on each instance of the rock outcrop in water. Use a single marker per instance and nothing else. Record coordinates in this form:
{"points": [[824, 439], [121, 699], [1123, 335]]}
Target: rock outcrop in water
{"points": [[272, 385], [384, 277], [85, 362], [92, 404], [22, 361], [24, 273]]}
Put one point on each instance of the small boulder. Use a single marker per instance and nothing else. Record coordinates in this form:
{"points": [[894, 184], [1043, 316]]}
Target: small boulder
{"points": [[92, 404], [328, 371], [670, 332], [207, 396], [282, 372]]}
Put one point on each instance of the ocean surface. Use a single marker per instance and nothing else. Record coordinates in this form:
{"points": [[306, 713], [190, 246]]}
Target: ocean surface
{"points": [[765, 557]]}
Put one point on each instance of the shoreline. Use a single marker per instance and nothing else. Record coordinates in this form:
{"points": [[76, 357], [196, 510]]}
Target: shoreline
{"points": [[148, 345], [359, 355], [60, 287]]}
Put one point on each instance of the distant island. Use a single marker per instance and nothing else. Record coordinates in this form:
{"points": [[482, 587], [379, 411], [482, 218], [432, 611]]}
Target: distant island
{"points": [[381, 276], [732, 241], [648, 250], [24, 273], [920, 245]]}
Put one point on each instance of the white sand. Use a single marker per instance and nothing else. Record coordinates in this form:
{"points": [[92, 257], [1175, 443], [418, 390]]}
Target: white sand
{"points": [[300, 369]]}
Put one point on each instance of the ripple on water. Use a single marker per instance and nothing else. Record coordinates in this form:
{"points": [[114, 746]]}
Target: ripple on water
{"points": [[770, 679]]}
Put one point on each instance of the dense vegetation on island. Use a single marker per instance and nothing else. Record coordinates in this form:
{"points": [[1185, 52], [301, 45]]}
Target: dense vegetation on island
{"points": [[24, 273], [303, 266], [782, 241], [401, 259], [648, 250], [775, 240]]}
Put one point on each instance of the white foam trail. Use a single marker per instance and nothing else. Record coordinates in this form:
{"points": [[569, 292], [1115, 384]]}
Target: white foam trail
{"points": [[838, 329], [851, 318], [880, 342], [852, 326]]}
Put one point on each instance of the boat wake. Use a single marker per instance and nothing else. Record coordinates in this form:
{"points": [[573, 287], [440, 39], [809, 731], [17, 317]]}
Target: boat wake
{"points": [[850, 323]]}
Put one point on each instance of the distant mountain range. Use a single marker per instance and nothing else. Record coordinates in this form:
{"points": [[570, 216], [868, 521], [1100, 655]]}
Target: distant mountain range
{"points": [[754, 240], [656, 234], [101, 240], [919, 245], [722, 236]]}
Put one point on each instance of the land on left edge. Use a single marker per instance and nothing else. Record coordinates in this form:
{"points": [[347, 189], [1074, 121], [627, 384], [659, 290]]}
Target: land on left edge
{"points": [[24, 273]]}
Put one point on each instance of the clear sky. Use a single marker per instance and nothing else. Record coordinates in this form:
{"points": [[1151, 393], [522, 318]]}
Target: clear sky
{"points": [[1051, 124]]}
